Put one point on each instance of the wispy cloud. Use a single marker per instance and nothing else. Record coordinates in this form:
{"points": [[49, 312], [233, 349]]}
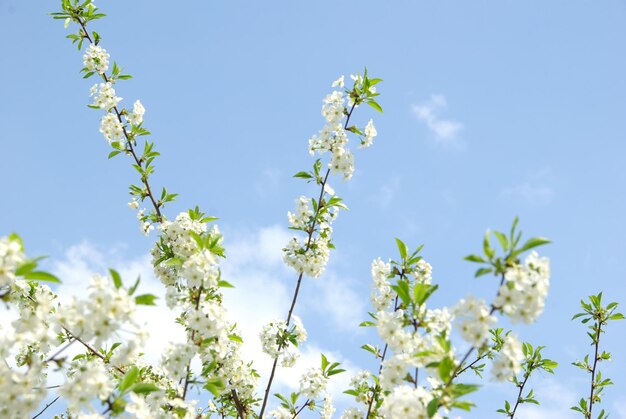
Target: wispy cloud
{"points": [[533, 191], [446, 131]]}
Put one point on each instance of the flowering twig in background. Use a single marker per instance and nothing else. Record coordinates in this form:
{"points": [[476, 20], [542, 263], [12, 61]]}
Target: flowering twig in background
{"points": [[533, 361], [599, 316], [311, 256], [120, 126]]}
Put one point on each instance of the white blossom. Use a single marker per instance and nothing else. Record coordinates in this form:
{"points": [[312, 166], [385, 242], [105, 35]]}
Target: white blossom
{"points": [[136, 116], [96, 59], [473, 320], [104, 96], [111, 128], [313, 383], [507, 362]]}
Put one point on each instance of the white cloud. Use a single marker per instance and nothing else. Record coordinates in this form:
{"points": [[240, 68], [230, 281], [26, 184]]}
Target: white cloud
{"points": [[446, 130], [386, 192], [268, 183], [334, 298], [529, 193], [533, 191]]}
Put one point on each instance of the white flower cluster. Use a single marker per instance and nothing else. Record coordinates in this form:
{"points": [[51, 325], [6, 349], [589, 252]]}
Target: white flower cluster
{"points": [[522, 296], [145, 226], [136, 116], [104, 96], [275, 343], [333, 137], [111, 128], [196, 270], [407, 402], [370, 133], [88, 379], [21, 391], [11, 256], [303, 215], [101, 315], [313, 384], [361, 384], [382, 294], [209, 319], [312, 260], [508, 361], [353, 413], [96, 59], [177, 236], [473, 320], [175, 359]]}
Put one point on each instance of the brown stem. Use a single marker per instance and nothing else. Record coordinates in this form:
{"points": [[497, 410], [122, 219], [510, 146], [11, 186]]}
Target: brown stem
{"points": [[301, 409], [57, 353], [241, 411], [593, 370], [380, 367], [47, 406], [94, 351], [521, 388]]}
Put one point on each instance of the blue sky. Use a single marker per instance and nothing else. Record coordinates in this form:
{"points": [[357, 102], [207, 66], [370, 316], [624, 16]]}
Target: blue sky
{"points": [[491, 110]]}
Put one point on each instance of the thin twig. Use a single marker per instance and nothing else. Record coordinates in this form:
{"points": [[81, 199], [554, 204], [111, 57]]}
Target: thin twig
{"points": [[47, 406]]}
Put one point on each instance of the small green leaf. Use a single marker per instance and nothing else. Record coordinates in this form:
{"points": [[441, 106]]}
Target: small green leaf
{"points": [[144, 388], [402, 248], [375, 105], [474, 258], [117, 279], [129, 379], [482, 271], [146, 300], [42, 276]]}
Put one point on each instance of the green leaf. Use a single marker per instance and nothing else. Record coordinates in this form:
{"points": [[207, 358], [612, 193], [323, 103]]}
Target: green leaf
{"points": [[129, 379], [146, 300], [114, 153], [474, 258], [371, 349], [144, 388], [531, 243], [402, 248], [42, 276], [402, 289], [445, 369], [482, 271], [375, 105], [26, 267], [235, 338], [132, 289], [303, 175], [433, 407], [225, 284], [117, 279], [504, 242]]}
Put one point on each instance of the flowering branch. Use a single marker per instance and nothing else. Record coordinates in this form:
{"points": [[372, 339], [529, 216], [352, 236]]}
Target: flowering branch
{"points": [[601, 315], [332, 138]]}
